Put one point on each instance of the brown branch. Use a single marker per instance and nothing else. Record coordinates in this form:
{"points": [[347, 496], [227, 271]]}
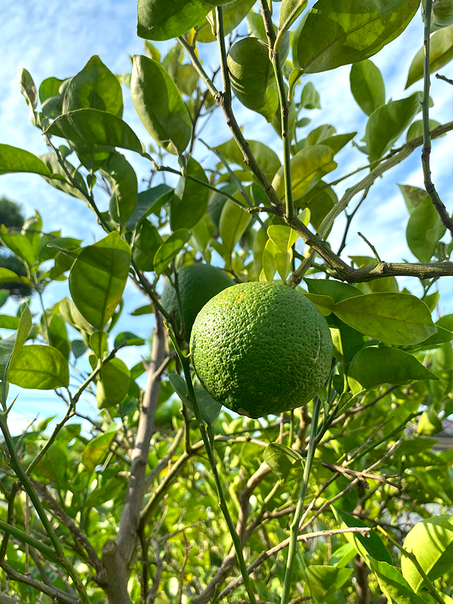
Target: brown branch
{"points": [[363, 476], [53, 592], [117, 554]]}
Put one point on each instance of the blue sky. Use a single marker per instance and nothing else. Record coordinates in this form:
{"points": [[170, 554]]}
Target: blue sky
{"points": [[56, 38]]}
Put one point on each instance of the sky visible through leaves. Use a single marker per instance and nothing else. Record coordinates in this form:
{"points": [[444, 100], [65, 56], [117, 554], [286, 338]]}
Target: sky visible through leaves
{"points": [[56, 38]]}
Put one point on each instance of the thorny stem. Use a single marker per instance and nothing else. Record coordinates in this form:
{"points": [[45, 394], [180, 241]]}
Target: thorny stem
{"points": [[300, 503], [209, 450], [426, 151]]}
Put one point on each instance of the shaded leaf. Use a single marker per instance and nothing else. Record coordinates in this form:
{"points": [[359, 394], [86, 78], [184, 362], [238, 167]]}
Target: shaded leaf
{"points": [[339, 32], [13, 159], [190, 199], [98, 278], [123, 182], [373, 366], [367, 86], [387, 123], [282, 460], [163, 20], [393, 318], [112, 384], [149, 201], [393, 585], [424, 230], [95, 126], [233, 222], [326, 581], [308, 166], [159, 105], [233, 14], [168, 250], [441, 53], [97, 448], [145, 243]]}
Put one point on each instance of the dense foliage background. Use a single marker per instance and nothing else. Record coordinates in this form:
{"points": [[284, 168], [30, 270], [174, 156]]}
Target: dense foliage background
{"points": [[122, 502]]}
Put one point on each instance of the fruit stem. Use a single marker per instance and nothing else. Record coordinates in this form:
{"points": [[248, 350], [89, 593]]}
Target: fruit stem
{"points": [[209, 450], [300, 503]]}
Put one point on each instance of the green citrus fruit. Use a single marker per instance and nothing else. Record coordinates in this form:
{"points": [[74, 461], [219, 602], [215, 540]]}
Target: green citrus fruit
{"points": [[197, 284], [261, 348]]}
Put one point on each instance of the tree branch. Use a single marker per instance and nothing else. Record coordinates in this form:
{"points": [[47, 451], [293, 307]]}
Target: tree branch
{"points": [[117, 554]]}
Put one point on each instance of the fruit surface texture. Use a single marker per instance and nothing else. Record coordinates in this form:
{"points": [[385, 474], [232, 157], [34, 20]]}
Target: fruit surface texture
{"points": [[261, 348], [197, 283]]}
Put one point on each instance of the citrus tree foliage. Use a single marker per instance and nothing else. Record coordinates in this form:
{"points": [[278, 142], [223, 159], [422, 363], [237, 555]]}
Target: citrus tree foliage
{"points": [[164, 496]]}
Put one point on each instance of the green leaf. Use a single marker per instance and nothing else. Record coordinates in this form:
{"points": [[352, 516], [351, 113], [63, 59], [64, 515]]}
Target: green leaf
{"points": [[190, 199], [326, 581], [282, 460], [163, 20], [441, 53], [126, 338], [98, 278], [387, 123], [283, 236], [335, 289], [416, 129], [59, 179], [289, 11], [346, 341], [393, 318], [72, 316], [338, 141], [369, 547], [146, 309], [441, 14], [233, 14], [145, 243], [209, 408], [413, 197], [28, 89], [308, 166], [149, 201], [159, 105], [310, 98], [13, 159], [367, 86], [7, 276], [257, 29], [393, 586], [323, 303], [429, 423], [98, 343], [424, 230], [317, 136], [343, 555], [431, 542], [95, 87], [264, 155], [40, 368], [11, 347], [123, 182], [233, 222], [19, 244], [112, 384], [59, 336], [95, 126], [252, 76], [97, 448], [373, 366], [339, 32], [168, 250]]}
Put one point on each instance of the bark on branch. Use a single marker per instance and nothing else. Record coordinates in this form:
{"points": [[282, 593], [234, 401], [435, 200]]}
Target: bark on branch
{"points": [[117, 554]]}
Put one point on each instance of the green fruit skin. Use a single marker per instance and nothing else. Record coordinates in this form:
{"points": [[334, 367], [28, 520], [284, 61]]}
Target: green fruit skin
{"points": [[197, 283], [261, 348]]}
